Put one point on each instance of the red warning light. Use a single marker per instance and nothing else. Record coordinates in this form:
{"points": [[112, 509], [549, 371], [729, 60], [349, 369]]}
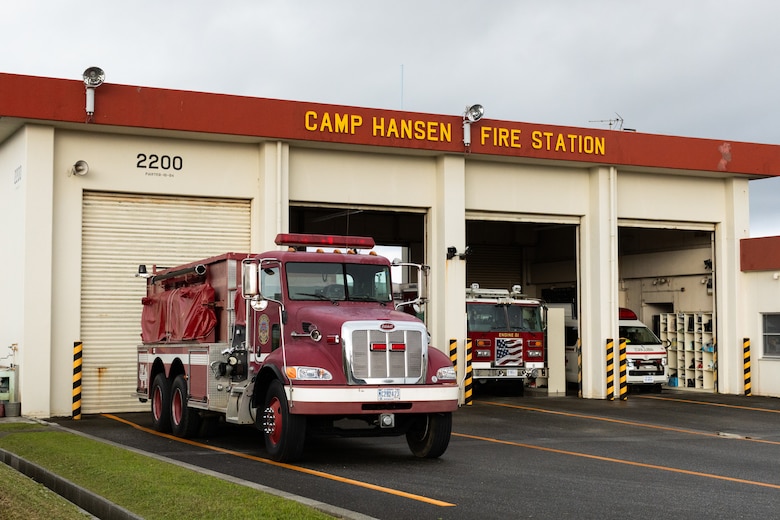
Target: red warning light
{"points": [[306, 240]]}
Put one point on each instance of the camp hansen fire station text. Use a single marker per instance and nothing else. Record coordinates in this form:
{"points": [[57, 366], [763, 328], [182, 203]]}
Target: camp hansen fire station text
{"points": [[435, 131]]}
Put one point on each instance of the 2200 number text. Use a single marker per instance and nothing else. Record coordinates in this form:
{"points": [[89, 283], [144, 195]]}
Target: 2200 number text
{"points": [[159, 162]]}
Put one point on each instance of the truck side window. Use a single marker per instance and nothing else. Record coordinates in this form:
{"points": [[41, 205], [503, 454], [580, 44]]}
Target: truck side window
{"points": [[276, 336], [270, 285]]}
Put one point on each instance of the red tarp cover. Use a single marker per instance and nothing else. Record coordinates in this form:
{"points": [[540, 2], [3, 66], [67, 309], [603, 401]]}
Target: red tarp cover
{"points": [[240, 305], [178, 315]]}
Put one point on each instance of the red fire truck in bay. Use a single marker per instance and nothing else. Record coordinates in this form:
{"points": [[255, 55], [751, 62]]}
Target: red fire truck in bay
{"points": [[297, 343], [507, 333]]}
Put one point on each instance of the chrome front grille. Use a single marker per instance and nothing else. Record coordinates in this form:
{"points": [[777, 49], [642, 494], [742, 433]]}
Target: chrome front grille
{"points": [[374, 356]]}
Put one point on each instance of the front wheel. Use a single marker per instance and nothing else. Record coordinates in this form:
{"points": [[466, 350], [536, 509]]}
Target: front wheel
{"points": [[185, 422], [284, 432], [429, 436], [161, 403]]}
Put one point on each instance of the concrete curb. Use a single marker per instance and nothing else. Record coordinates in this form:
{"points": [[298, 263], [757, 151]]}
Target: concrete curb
{"points": [[83, 498]]}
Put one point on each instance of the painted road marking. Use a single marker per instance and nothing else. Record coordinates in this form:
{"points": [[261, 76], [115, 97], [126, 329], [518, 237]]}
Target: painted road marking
{"points": [[615, 460], [629, 423], [619, 461], [299, 469], [736, 406]]}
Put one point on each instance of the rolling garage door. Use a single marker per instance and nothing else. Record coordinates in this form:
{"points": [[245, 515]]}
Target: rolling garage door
{"points": [[120, 232]]}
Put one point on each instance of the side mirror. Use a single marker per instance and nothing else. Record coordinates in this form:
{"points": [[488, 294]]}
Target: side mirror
{"points": [[249, 278], [422, 283]]}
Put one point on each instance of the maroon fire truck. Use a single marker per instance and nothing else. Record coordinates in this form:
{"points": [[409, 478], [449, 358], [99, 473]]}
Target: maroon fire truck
{"points": [[296, 342]]}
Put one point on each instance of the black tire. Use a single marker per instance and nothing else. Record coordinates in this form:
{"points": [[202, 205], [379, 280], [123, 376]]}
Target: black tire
{"points": [[161, 403], [284, 433], [429, 436], [185, 422]]}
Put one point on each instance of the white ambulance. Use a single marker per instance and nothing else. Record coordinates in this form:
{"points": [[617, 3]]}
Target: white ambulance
{"points": [[646, 355]]}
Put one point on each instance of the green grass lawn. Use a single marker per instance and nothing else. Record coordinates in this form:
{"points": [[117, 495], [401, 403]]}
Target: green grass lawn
{"points": [[148, 487]]}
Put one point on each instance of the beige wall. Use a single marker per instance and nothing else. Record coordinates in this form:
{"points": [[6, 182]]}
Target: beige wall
{"points": [[28, 308], [44, 238], [764, 290]]}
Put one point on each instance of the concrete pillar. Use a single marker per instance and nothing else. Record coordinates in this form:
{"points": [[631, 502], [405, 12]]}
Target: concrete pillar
{"points": [[732, 327], [35, 346], [447, 228], [598, 306], [271, 204]]}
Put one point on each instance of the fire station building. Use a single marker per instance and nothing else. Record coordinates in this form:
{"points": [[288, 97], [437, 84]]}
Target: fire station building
{"points": [[97, 180]]}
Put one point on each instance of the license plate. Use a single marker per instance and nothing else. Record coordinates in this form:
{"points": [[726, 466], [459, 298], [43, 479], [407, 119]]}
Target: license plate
{"points": [[388, 394], [648, 379], [511, 372]]}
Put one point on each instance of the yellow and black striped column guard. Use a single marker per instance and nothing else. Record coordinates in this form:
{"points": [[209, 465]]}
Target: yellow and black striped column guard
{"points": [[454, 356], [623, 368], [579, 367], [468, 382], [77, 347], [715, 366], [454, 353], [746, 365], [610, 369]]}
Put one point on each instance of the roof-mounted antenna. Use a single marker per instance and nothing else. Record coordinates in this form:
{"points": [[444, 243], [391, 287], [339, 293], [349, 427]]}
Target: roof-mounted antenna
{"points": [[617, 123]]}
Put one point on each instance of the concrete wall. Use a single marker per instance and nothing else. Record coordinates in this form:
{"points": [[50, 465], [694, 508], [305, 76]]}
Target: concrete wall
{"points": [[764, 290], [42, 243]]}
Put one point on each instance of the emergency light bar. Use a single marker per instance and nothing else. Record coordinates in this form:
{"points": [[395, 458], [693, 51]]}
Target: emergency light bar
{"points": [[626, 314], [299, 239], [476, 292]]}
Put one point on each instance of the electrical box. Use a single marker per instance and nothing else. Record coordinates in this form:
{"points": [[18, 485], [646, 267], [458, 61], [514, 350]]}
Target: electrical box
{"points": [[7, 384]]}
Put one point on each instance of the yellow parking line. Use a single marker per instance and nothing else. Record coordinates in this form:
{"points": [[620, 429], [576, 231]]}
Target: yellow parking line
{"points": [[299, 469], [629, 423], [724, 405], [620, 461]]}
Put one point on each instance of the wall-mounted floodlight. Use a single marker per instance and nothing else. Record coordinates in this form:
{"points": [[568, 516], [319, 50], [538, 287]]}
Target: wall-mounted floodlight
{"points": [[80, 168], [472, 114], [93, 78]]}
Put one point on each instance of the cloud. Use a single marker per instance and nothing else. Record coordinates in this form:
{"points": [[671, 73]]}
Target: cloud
{"points": [[700, 69]]}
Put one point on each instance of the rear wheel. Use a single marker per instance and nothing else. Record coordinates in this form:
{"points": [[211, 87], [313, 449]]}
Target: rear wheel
{"points": [[429, 436], [284, 433], [161, 403], [185, 422]]}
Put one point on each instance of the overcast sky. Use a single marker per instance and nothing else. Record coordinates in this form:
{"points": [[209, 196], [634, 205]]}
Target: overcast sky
{"points": [[693, 68]]}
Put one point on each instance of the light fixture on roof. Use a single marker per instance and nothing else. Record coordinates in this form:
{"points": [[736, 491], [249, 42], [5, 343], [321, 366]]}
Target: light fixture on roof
{"points": [[93, 78], [472, 114]]}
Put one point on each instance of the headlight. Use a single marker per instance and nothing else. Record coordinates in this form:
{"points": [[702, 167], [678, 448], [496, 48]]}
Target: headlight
{"points": [[309, 374], [445, 374]]}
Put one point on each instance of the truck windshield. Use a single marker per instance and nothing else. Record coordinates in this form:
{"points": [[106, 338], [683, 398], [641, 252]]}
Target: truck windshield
{"points": [[487, 317], [338, 282], [639, 335]]}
